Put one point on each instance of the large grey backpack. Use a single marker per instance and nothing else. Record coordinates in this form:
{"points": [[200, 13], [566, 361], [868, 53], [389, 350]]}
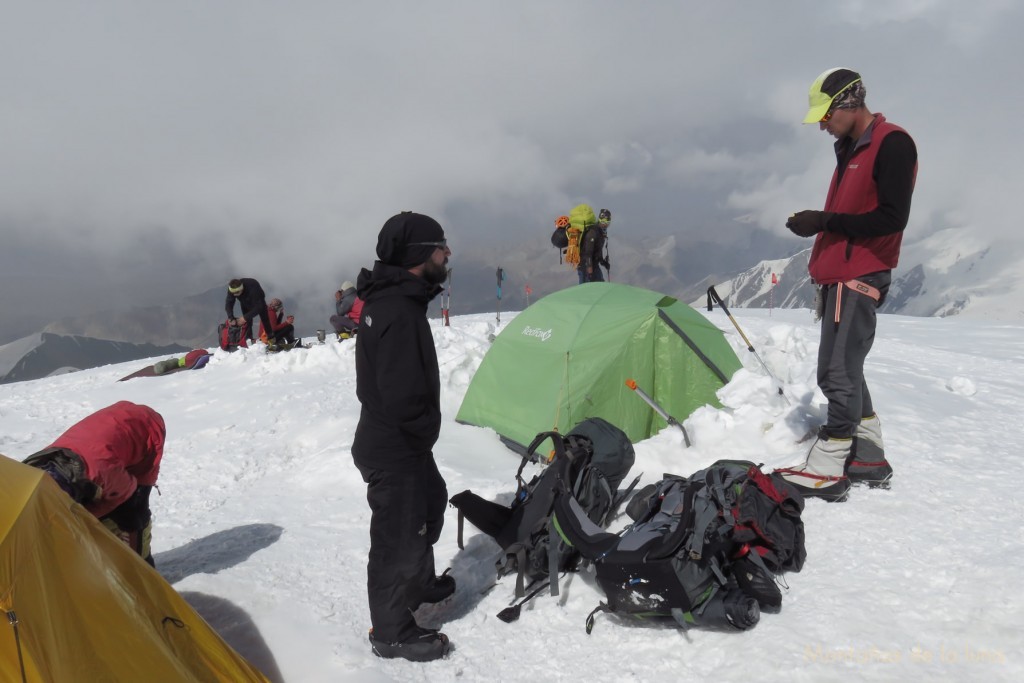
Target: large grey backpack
{"points": [[588, 464]]}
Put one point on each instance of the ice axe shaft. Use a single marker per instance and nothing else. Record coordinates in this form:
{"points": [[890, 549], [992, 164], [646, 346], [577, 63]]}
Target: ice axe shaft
{"points": [[658, 409], [713, 298]]}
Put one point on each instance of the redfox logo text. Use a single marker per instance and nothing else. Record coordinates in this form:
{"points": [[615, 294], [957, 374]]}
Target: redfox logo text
{"points": [[543, 335]]}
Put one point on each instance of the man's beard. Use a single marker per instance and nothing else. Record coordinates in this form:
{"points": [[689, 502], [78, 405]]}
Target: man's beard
{"points": [[435, 273]]}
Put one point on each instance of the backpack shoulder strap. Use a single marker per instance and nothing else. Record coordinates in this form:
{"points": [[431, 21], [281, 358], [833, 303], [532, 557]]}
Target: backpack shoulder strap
{"points": [[562, 456]]}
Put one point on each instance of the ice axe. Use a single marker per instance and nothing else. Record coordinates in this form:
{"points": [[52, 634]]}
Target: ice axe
{"points": [[511, 613], [713, 298], [658, 409]]}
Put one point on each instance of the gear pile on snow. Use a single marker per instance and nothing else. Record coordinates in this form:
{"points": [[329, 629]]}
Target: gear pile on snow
{"points": [[703, 550]]}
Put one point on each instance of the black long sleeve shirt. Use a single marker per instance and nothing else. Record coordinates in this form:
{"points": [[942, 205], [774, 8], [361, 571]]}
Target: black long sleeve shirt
{"points": [[894, 176]]}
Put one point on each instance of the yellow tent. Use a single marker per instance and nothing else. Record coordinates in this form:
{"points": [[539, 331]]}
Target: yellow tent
{"points": [[76, 604]]}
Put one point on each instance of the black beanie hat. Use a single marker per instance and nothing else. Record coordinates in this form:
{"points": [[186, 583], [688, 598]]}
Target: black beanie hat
{"points": [[397, 242]]}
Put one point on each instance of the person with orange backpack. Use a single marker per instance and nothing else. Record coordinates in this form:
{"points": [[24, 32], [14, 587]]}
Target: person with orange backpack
{"points": [[584, 251], [593, 251]]}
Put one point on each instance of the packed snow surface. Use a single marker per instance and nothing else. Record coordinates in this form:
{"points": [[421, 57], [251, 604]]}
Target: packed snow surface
{"points": [[261, 522]]}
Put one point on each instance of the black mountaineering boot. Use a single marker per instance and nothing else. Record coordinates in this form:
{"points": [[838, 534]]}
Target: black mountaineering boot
{"points": [[442, 587], [425, 646]]}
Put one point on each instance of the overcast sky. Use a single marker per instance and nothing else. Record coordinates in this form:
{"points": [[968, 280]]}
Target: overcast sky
{"points": [[153, 148]]}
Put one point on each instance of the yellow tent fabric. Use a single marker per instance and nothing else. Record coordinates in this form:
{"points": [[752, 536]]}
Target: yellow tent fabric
{"points": [[76, 604]]}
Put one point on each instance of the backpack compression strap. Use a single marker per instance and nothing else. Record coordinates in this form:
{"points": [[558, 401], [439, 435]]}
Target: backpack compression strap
{"points": [[557, 440]]}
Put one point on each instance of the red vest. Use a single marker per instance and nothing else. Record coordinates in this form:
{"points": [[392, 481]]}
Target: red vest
{"points": [[356, 312], [836, 257]]}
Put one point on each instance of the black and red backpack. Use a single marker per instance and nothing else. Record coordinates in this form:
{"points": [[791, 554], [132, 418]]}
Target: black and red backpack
{"points": [[233, 336], [703, 550]]}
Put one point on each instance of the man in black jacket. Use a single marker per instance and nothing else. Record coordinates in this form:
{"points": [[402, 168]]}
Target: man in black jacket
{"points": [[398, 385], [252, 301]]}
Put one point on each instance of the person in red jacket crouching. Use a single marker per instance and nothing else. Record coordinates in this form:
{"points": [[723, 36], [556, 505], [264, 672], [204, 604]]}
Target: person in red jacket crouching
{"points": [[282, 327], [109, 462]]}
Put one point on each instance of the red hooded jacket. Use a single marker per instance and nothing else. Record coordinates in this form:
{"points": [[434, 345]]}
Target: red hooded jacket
{"points": [[278, 321], [121, 447]]}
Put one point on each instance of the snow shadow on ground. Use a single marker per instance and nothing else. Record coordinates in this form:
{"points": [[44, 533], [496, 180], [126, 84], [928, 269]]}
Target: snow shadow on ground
{"points": [[475, 576], [238, 630], [218, 551]]}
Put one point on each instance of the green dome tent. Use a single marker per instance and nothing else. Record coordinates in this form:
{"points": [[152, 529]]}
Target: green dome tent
{"points": [[568, 356]]}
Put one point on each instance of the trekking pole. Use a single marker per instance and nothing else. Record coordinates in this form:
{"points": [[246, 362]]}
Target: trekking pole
{"points": [[529, 291], [713, 296], [658, 409], [607, 257], [446, 300], [511, 613], [501, 276]]}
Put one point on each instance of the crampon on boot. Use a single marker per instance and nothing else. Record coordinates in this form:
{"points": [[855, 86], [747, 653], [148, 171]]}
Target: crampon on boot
{"points": [[822, 474], [867, 463]]}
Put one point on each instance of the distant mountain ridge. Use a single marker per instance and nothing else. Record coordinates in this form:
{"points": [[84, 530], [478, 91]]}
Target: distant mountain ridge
{"points": [[674, 265], [191, 321], [45, 354], [948, 273]]}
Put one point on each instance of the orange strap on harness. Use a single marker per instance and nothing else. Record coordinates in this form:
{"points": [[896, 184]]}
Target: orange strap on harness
{"points": [[857, 286]]}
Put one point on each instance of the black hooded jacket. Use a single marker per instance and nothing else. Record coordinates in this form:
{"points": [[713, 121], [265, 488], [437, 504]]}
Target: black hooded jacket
{"points": [[251, 300], [592, 248], [397, 378]]}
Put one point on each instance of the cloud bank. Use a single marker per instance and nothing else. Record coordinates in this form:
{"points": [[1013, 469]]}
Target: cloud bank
{"points": [[192, 141]]}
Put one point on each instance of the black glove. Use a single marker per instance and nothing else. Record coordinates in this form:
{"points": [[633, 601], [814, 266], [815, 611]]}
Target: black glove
{"points": [[808, 223], [604, 262]]}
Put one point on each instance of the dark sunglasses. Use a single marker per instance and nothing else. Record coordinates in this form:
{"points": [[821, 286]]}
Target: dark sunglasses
{"points": [[828, 115], [443, 244]]}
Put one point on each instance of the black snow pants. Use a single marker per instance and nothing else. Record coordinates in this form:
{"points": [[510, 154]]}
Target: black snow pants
{"points": [[407, 514], [844, 347]]}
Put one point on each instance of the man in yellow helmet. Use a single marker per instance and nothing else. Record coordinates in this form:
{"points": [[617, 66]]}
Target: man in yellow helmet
{"points": [[856, 245]]}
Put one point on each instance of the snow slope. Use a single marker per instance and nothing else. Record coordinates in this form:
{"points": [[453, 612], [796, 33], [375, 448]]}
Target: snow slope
{"points": [[262, 522]]}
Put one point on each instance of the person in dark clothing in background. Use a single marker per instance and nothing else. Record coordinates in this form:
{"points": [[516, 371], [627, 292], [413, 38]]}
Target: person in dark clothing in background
{"points": [[591, 255], [604, 220], [856, 245], [252, 301], [398, 385]]}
